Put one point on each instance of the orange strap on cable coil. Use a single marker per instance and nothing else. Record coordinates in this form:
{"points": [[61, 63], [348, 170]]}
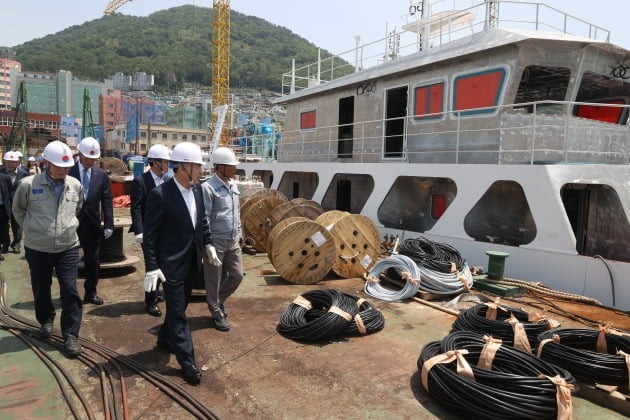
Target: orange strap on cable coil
{"points": [[563, 396], [463, 368], [555, 338], [627, 357], [521, 342], [488, 352]]}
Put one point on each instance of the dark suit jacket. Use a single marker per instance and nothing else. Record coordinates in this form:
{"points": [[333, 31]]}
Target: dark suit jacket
{"points": [[5, 190], [21, 173], [170, 241], [99, 196], [140, 189]]}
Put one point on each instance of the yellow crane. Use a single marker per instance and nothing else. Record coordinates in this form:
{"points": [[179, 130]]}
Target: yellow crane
{"points": [[113, 6], [220, 59]]}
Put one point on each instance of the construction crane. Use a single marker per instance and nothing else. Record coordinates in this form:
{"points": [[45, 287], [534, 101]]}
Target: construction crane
{"points": [[113, 6], [17, 137], [88, 122], [220, 62]]}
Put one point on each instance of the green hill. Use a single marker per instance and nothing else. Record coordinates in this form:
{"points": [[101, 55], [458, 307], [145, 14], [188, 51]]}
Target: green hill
{"points": [[172, 44]]}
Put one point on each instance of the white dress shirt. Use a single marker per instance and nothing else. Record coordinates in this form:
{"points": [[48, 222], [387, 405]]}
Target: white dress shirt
{"points": [[189, 199]]}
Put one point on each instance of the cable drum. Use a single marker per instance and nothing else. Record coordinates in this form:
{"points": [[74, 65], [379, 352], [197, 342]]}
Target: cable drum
{"points": [[298, 207], [405, 267], [254, 221], [576, 351], [512, 388], [276, 231], [321, 314], [474, 319]]}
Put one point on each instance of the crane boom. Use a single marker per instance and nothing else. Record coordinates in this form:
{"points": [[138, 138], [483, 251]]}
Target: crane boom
{"points": [[113, 6], [220, 56]]}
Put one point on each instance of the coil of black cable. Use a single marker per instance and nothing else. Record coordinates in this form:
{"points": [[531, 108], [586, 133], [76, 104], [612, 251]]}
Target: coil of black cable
{"points": [[433, 255], [474, 319], [371, 318], [512, 389], [576, 352]]}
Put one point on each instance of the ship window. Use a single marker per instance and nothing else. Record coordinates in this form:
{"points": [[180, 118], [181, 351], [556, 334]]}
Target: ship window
{"points": [[429, 102], [598, 88], [298, 184], [265, 176], [598, 221], [501, 216], [307, 119], [348, 192], [541, 83], [408, 204], [478, 90]]}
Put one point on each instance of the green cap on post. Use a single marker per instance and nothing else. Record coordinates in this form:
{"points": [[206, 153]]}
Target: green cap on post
{"points": [[496, 264]]}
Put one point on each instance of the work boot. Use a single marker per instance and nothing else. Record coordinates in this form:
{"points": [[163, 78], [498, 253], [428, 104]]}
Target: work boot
{"points": [[220, 323], [191, 374], [46, 329], [223, 310], [73, 348]]}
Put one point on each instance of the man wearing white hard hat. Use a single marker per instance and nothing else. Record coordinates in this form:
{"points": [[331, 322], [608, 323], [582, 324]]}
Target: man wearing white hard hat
{"points": [[32, 166], [175, 233], [12, 168], [46, 206], [221, 201], [97, 195], [158, 157]]}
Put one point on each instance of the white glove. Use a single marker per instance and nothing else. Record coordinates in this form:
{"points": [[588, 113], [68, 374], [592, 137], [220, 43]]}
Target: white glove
{"points": [[211, 252], [107, 233], [151, 279], [139, 238]]}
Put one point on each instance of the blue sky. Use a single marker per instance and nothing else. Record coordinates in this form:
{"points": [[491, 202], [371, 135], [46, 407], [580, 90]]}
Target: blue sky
{"points": [[326, 23]]}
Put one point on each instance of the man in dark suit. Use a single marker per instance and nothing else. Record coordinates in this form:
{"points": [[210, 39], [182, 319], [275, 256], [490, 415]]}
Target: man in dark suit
{"points": [[158, 156], [175, 234], [11, 168], [5, 207], [97, 196]]}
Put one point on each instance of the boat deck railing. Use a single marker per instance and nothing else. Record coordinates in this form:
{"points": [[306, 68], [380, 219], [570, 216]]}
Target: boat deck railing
{"points": [[424, 34], [524, 133]]}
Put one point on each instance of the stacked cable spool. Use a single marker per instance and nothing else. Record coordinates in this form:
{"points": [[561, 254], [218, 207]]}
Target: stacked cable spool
{"points": [[512, 325], [256, 204], [593, 356], [443, 270], [323, 314], [406, 269], [493, 381], [298, 207], [357, 242]]}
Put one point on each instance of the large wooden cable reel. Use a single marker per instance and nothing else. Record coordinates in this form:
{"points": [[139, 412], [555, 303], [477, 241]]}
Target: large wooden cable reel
{"points": [[276, 230], [303, 252], [357, 243], [298, 207], [330, 217], [260, 192], [255, 218]]}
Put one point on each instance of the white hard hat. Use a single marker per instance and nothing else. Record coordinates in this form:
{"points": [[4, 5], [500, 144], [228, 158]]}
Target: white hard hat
{"points": [[224, 156], [11, 156], [90, 148], [58, 154], [187, 152], [31, 159], [159, 151], [19, 154]]}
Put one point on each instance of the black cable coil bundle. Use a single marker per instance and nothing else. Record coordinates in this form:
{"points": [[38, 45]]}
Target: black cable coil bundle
{"points": [[512, 389], [576, 352], [474, 319], [320, 314], [433, 255]]}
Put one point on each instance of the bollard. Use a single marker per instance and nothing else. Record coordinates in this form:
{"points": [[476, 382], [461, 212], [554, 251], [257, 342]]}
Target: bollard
{"points": [[496, 264]]}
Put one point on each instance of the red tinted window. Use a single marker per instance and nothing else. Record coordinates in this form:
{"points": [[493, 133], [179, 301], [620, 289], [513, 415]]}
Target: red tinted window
{"points": [[478, 90], [601, 113], [438, 205], [429, 100], [307, 120]]}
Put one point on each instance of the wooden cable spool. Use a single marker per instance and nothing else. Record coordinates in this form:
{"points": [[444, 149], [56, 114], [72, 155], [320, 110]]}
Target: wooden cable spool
{"points": [[255, 218], [267, 192], [303, 252], [276, 230], [357, 243], [330, 217]]}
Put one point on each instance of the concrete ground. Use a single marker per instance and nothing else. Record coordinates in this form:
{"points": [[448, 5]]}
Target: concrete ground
{"points": [[250, 371]]}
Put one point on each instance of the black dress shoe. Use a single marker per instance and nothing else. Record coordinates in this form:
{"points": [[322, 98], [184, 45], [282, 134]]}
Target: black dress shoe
{"points": [[4, 250], [220, 323], [223, 310], [191, 374], [46, 329], [16, 249], [95, 299], [160, 296], [153, 310]]}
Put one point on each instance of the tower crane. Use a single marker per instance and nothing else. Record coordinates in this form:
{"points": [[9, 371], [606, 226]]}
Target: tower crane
{"points": [[220, 61], [113, 6]]}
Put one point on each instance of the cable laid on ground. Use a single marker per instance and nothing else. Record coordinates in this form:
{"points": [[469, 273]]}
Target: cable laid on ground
{"points": [[576, 351], [474, 319], [405, 267], [434, 256], [512, 388], [322, 314]]}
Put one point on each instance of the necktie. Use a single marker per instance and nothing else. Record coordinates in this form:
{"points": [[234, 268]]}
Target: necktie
{"points": [[86, 182]]}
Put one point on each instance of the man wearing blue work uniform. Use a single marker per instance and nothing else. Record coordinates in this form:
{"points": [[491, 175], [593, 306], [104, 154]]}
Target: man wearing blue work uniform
{"points": [[220, 196], [16, 173], [46, 206], [175, 235], [98, 197]]}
